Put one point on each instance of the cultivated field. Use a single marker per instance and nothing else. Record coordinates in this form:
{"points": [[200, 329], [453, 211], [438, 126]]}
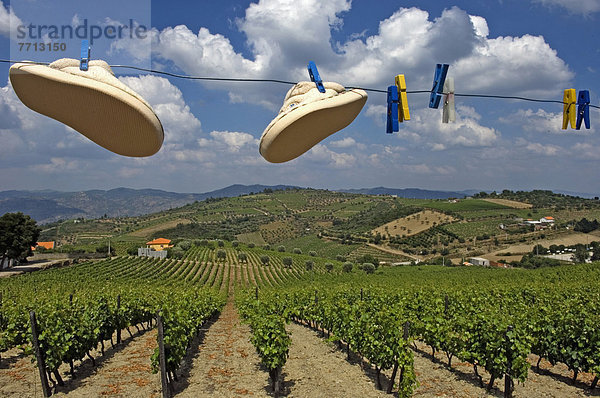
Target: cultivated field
{"points": [[510, 203], [413, 224]]}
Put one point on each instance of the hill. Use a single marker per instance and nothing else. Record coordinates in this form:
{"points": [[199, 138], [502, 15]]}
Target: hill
{"points": [[48, 206], [411, 193]]}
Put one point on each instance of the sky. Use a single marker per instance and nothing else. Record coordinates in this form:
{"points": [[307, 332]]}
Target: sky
{"points": [[531, 48]]}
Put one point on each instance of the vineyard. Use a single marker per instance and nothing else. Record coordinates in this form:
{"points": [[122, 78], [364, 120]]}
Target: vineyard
{"points": [[505, 324]]}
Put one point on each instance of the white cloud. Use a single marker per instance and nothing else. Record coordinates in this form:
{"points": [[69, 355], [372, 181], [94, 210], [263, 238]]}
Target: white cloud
{"points": [[233, 142], [539, 148], [480, 25], [283, 35], [343, 143], [582, 7], [8, 19], [130, 172], [525, 66], [57, 165], [323, 155], [426, 128], [542, 121], [586, 151], [180, 125]]}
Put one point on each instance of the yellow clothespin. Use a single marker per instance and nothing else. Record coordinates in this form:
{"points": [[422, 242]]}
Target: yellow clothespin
{"points": [[569, 113], [403, 112]]}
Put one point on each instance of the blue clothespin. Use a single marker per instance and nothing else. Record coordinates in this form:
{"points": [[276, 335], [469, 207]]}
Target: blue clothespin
{"points": [[85, 55], [441, 70], [314, 76], [583, 109], [392, 109]]}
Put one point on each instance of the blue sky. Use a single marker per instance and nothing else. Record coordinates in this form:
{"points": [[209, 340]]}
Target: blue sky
{"points": [[534, 48]]}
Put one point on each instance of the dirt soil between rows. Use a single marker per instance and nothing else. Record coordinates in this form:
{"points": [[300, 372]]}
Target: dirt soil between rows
{"points": [[223, 363]]}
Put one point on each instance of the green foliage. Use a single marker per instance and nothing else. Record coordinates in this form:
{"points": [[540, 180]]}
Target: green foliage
{"points": [[242, 257], [287, 261], [312, 253], [18, 233], [347, 267], [581, 254], [281, 248], [539, 249], [329, 267], [368, 258], [586, 226], [309, 265], [530, 260], [104, 250], [265, 260], [297, 251], [221, 254], [175, 252], [369, 268]]}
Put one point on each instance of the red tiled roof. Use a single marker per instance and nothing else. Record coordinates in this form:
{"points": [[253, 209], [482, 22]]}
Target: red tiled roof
{"points": [[159, 241]]}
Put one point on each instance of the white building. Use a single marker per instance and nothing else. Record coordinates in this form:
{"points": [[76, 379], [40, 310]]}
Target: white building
{"points": [[484, 262]]}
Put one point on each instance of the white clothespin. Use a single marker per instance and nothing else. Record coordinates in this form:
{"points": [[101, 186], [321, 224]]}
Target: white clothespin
{"points": [[449, 112]]}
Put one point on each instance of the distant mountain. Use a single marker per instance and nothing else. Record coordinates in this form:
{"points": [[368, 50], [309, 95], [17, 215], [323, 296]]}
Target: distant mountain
{"points": [[48, 206], [412, 193]]}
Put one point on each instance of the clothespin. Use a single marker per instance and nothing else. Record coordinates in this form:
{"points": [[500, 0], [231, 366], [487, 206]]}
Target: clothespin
{"points": [[439, 77], [403, 112], [449, 111], [314, 76], [85, 55], [392, 110], [583, 109], [569, 116]]}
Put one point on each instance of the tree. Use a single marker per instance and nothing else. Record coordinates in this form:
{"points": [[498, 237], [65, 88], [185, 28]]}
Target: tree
{"points": [[175, 252], [368, 268], [581, 254], [221, 254], [347, 267], [297, 250], [242, 257], [104, 250], [265, 260], [281, 248], [368, 258], [18, 233], [220, 243], [185, 245], [287, 261], [329, 267], [309, 265]]}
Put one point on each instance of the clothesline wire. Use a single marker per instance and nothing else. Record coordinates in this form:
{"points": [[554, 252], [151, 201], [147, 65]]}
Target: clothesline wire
{"points": [[232, 79]]}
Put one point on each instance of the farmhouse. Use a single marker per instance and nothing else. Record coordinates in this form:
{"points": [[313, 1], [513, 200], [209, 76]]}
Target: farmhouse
{"points": [[547, 220], [159, 244], [149, 252], [45, 245], [480, 261]]}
